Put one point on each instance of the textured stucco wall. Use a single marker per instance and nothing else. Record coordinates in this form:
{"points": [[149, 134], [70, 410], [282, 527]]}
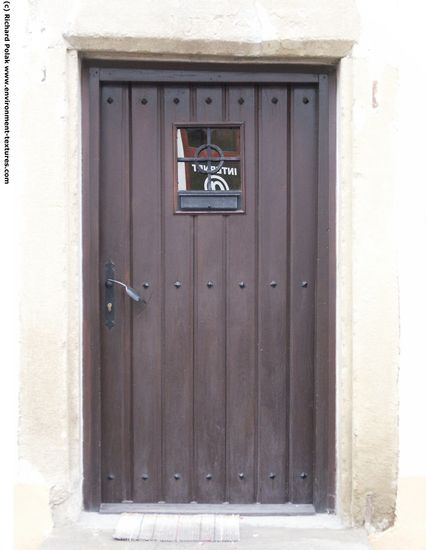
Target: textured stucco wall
{"points": [[50, 36]]}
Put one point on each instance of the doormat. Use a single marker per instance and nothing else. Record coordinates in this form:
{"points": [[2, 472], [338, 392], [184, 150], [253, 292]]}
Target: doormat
{"points": [[178, 528]]}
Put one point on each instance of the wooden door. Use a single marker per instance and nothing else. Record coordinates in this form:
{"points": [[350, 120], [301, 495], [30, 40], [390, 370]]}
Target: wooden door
{"points": [[211, 391]]}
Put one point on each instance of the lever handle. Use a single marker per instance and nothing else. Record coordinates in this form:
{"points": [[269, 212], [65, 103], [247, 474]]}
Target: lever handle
{"points": [[131, 292], [109, 299]]}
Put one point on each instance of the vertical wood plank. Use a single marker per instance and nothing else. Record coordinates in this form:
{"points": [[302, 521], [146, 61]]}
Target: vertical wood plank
{"points": [[241, 322], [146, 254], [302, 291], [178, 318], [272, 425], [209, 363], [324, 483], [91, 304], [114, 218]]}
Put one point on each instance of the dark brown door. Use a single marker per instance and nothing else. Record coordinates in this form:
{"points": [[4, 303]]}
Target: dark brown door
{"points": [[207, 391]]}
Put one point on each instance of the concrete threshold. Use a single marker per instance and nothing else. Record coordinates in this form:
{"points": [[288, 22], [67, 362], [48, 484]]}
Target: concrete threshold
{"points": [[287, 509], [317, 532]]}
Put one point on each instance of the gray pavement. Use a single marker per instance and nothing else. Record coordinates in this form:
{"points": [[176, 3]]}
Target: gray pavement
{"points": [[94, 531]]}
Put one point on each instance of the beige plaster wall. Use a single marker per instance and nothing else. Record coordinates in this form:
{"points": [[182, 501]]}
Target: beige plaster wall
{"points": [[50, 37], [409, 531]]}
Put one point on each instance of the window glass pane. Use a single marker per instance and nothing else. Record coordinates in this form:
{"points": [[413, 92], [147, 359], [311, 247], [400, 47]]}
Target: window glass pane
{"points": [[208, 159], [193, 138], [227, 139], [227, 178]]}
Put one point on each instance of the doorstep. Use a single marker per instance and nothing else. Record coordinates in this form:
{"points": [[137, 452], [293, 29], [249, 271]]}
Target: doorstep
{"points": [[94, 531]]}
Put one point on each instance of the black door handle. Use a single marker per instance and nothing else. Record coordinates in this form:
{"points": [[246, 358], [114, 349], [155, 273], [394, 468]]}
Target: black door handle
{"points": [[109, 304]]}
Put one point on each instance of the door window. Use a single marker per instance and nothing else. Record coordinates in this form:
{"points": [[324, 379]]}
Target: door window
{"points": [[209, 167]]}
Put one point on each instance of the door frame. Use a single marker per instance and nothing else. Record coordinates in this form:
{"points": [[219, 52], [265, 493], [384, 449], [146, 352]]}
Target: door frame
{"points": [[324, 77]]}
